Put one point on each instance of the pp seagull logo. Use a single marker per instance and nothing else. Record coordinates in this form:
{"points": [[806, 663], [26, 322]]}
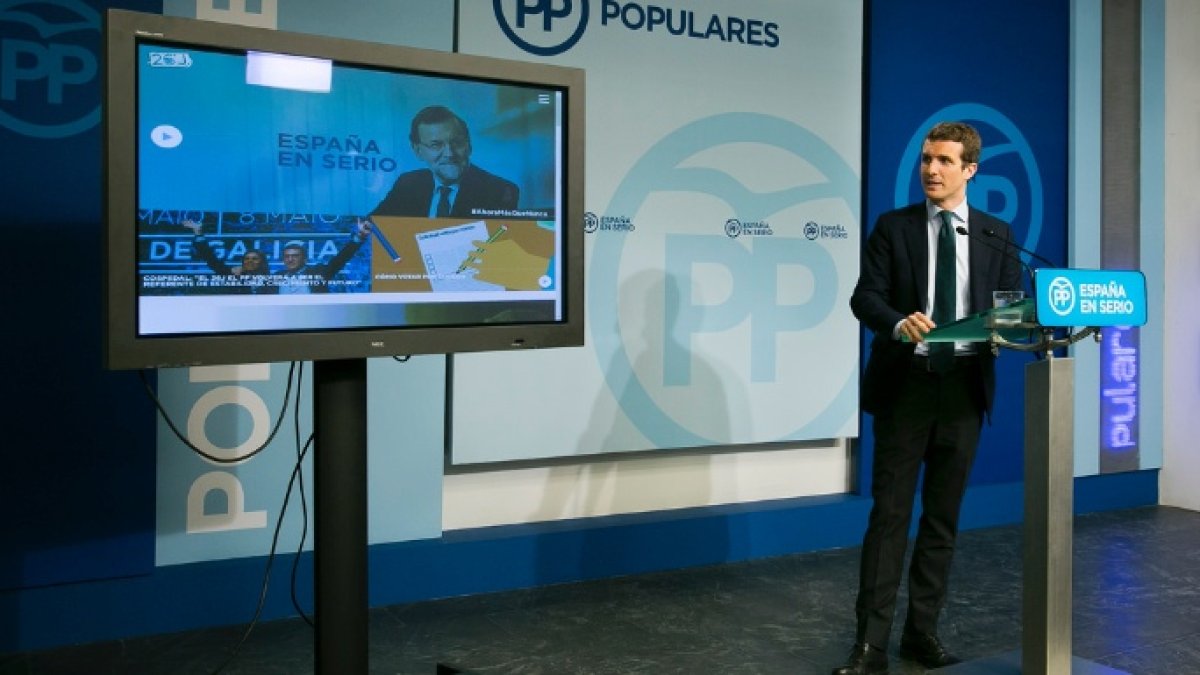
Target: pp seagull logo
{"points": [[47, 79], [537, 25], [1062, 296]]}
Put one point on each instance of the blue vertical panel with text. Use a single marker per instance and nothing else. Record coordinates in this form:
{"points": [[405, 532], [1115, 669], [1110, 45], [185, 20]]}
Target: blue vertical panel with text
{"points": [[962, 60]]}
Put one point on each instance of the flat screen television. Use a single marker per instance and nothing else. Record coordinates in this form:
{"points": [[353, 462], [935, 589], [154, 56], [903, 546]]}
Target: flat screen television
{"points": [[272, 196]]}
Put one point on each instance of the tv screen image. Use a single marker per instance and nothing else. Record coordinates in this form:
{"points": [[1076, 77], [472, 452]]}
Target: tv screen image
{"points": [[274, 196]]}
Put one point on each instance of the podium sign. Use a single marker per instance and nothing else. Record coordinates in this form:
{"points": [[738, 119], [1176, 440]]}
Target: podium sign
{"points": [[1068, 298], [1073, 297]]}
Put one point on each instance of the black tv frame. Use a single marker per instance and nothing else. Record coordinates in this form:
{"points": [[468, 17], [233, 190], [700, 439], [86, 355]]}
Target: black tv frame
{"points": [[125, 349]]}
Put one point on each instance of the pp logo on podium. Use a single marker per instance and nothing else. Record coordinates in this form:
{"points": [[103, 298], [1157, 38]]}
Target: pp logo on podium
{"points": [[1062, 296]]}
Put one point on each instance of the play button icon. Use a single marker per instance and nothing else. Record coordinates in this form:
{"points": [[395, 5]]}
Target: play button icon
{"points": [[166, 136]]}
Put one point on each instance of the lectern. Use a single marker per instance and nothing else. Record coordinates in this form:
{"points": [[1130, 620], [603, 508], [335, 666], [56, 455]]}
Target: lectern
{"points": [[1063, 299]]}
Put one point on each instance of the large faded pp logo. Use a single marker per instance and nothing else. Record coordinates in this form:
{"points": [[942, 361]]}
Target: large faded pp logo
{"points": [[48, 67], [1008, 184], [761, 304]]}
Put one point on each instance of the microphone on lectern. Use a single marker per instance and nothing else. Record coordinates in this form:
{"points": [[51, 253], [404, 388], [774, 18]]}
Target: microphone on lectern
{"points": [[1003, 248], [989, 232]]}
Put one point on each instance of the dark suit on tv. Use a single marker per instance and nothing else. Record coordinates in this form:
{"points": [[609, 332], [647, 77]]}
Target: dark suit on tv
{"points": [[317, 276], [920, 417], [412, 194]]}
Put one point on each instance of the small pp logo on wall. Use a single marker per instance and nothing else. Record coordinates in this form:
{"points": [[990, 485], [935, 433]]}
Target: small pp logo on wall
{"points": [[814, 231], [1067, 297], [593, 223], [49, 68], [735, 228]]}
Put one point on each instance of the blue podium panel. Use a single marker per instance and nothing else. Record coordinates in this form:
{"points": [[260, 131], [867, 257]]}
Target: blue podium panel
{"points": [[1074, 297]]}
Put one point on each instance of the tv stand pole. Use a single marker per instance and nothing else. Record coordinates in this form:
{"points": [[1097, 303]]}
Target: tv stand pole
{"points": [[340, 515]]}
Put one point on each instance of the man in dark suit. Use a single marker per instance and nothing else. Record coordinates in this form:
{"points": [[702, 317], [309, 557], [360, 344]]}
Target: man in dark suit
{"points": [[300, 276], [928, 400], [252, 276], [451, 186]]}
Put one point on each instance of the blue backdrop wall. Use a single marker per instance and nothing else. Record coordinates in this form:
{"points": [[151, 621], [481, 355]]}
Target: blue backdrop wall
{"points": [[955, 59], [77, 489]]}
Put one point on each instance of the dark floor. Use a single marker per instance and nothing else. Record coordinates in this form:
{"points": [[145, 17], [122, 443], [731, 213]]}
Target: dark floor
{"points": [[1136, 608]]}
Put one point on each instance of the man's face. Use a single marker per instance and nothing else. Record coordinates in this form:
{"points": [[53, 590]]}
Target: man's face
{"points": [[943, 175], [444, 149], [252, 263], [293, 258]]}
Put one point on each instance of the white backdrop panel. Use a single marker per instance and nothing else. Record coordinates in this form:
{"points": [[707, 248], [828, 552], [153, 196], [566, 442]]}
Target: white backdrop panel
{"points": [[723, 153]]}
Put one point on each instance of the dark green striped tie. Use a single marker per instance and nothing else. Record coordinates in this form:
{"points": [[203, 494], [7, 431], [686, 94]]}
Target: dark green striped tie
{"points": [[941, 354]]}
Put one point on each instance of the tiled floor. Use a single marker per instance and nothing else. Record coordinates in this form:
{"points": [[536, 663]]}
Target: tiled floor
{"points": [[1136, 608]]}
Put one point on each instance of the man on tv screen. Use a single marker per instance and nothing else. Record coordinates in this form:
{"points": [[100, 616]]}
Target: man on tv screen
{"points": [[301, 276], [251, 276], [451, 186]]}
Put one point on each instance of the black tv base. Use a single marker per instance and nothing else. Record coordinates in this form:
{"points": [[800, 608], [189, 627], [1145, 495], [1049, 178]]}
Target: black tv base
{"points": [[340, 518], [340, 515]]}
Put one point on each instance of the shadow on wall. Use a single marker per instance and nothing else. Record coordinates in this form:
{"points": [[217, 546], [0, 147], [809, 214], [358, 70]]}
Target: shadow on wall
{"points": [[621, 485]]}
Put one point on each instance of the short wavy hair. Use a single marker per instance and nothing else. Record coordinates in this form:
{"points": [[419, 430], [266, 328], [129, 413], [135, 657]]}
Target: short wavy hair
{"points": [[961, 132]]}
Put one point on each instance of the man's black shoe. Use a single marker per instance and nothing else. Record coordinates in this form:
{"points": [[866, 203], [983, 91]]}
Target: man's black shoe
{"points": [[926, 650], [864, 660]]}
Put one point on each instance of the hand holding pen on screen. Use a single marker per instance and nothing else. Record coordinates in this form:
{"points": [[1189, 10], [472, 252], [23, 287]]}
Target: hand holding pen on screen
{"points": [[480, 248], [504, 262]]}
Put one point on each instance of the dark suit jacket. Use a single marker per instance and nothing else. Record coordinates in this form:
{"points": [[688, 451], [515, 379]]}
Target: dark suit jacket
{"points": [[326, 271], [412, 193], [893, 283]]}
